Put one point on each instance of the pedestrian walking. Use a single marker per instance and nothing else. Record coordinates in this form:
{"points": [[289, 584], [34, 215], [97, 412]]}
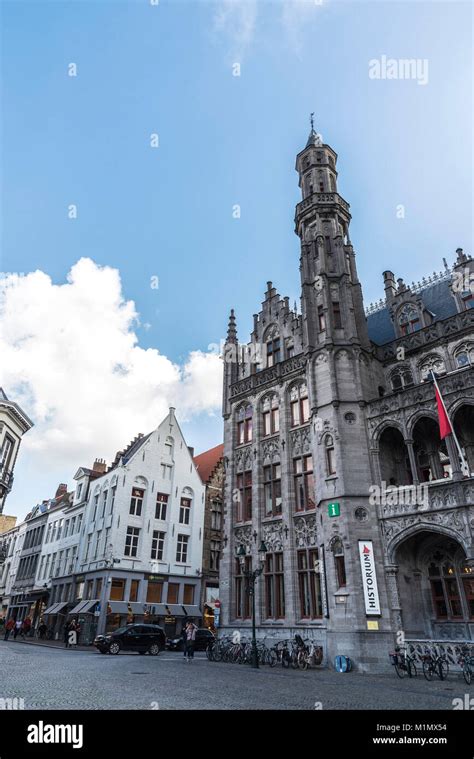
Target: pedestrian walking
{"points": [[42, 629], [190, 640], [184, 637], [18, 626], [26, 627], [9, 627], [67, 627]]}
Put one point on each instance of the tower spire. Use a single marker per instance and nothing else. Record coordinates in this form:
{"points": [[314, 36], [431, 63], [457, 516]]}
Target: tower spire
{"points": [[232, 328]]}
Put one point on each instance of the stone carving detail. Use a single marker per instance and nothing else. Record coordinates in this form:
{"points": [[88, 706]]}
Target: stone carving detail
{"points": [[306, 532], [244, 536], [271, 450], [301, 441], [452, 519], [243, 459], [273, 536]]}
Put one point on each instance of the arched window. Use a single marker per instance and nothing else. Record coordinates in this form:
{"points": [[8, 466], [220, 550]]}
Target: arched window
{"points": [[299, 405], [270, 415], [273, 345], [330, 456], [433, 363], [401, 377], [244, 424], [464, 356], [409, 319], [185, 506], [445, 589], [339, 562]]}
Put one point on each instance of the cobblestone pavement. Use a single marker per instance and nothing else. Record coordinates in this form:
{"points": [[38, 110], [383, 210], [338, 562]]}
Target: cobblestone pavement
{"points": [[58, 679]]}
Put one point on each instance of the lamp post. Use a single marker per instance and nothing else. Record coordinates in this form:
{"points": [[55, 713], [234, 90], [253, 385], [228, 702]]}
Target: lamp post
{"points": [[251, 577]]}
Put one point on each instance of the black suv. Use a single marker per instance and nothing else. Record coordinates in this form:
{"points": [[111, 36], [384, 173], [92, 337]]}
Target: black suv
{"points": [[141, 638], [203, 638]]}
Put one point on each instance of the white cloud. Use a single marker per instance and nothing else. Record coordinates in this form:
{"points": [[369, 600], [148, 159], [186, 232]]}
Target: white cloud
{"points": [[236, 19], [70, 356]]}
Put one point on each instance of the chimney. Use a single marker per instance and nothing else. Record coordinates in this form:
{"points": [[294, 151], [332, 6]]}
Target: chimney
{"points": [[390, 288], [62, 488], [99, 466]]}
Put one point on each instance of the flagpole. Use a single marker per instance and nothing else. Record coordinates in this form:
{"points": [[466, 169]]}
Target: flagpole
{"points": [[463, 460]]}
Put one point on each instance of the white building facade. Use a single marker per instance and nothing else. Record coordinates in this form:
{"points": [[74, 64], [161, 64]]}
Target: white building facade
{"points": [[140, 552]]}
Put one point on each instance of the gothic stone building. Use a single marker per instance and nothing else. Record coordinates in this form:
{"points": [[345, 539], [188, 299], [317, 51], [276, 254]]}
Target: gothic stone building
{"points": [[324, 411]]}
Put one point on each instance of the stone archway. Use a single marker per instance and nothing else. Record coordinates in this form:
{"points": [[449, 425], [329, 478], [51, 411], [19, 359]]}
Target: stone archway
{"points": [[435, 587], [394, 458], [463, 422], [431, 453]]}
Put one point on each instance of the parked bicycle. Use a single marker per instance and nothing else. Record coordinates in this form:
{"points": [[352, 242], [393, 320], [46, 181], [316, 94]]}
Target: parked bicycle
{"points": [[403, 662], [435, 664], [466, 661]]}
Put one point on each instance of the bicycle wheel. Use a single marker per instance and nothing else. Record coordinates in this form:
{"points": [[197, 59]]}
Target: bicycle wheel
{"points": [[443, 669], [302, 660], [294, 659], [428, 669], [411, 666], [400, 669], [216, 652], [209, 654], [285, 659], [467, 672], [272, 658]]}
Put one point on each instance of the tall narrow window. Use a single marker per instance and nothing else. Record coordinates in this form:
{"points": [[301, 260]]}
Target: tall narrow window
{"points": [[270, 416], [336, 315], [273, 351], [184, 510], [215, 553], [242, 598], [304, 483], [104, 502], [157, 545], [244, 500], [112, 499], [339, 563], [244, 425], [321, 319], [182, 548], [299, 405], [161, 506], [274, 586], [131, 541], [309, 583], [136, 501], [272, 489], [330, 457]]}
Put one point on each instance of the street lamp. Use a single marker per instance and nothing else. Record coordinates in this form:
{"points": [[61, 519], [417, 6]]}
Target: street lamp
{"points": [[251, 577]]}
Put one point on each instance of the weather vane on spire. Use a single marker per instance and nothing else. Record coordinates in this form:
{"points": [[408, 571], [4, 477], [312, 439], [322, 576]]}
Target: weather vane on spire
{"points": [[311, 118]]}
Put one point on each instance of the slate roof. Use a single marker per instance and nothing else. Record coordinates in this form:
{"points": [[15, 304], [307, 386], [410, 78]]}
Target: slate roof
{"points": [[436, 297]]}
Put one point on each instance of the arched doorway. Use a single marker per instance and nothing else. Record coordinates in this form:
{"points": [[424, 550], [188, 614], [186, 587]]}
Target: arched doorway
{"points": [[463, 422], [394, 459], [436, 587], [430, 451]]}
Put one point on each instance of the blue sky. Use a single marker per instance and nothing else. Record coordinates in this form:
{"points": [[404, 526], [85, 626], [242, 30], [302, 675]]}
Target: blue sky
{"points": [[224, 140]]}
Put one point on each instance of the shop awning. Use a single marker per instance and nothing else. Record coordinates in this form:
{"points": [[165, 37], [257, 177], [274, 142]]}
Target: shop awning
{"points": [[84, 607], [117, 607], [174, 610], [55, 608], [192, 611], [156, 610]]}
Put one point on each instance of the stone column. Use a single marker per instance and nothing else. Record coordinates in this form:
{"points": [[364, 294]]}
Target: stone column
{"points": [[453, 454], [391, 574], [413, 465]]}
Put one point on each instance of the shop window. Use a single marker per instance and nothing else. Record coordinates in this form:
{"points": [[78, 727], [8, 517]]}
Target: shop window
{"points": [[117, 589], [154, 592], [134, 586], [173, 592], [188, 595], [309, 584]]}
